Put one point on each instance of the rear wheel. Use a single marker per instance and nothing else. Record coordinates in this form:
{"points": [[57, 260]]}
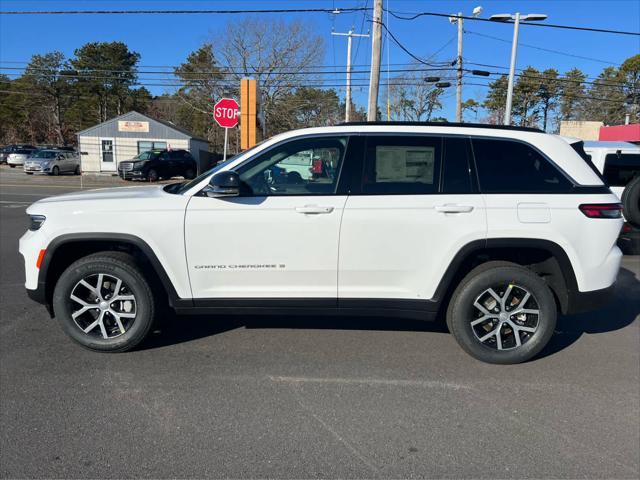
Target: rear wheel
{"points": [[12, 166], [190, 173], [631, 202], [77, 170], [29, 173], [502, 313], [104, 303]]}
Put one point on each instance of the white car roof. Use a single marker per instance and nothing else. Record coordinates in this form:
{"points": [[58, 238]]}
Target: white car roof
{"points": [[611, 145]]}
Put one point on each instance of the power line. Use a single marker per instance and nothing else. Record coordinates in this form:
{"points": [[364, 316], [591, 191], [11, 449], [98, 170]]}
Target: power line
{"points": [[179, 12], [545, 25], [585, 97], [558, 52]]}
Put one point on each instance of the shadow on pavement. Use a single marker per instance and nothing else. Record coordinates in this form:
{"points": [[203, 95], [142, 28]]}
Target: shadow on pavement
{"points": [[620, 312]]}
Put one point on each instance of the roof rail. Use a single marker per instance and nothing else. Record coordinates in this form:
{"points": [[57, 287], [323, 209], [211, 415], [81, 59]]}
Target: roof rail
{"points": [[447, 124]]}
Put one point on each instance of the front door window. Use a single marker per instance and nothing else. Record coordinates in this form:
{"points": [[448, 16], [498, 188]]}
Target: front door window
{"points": [[301, 167]]}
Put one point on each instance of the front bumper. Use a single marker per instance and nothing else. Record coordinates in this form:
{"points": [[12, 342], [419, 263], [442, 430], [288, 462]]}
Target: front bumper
{"points": [[35, 168], [130, 174]]}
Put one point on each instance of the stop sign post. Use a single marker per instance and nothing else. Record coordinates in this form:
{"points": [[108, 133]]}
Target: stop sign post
{"points": [[225, 113]]}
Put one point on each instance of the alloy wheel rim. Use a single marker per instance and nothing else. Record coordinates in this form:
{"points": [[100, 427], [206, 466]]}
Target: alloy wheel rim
{"points": [[103, 306], [505, 317]]}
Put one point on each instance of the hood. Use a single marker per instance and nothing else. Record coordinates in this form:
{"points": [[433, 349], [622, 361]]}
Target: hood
{"points": [[118, 193]]}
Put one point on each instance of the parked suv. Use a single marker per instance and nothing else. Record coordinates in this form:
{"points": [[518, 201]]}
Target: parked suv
{"points": [[619, 165], [497, 228], [53, 162], [154, 165]]}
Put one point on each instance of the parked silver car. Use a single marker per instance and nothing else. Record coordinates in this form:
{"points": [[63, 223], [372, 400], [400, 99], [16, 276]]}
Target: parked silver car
{"points": [[53, 162], [18, 156]]}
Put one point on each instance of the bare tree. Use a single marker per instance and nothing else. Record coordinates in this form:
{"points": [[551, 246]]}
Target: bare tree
{"points": [[273, 52], [411, 98]]}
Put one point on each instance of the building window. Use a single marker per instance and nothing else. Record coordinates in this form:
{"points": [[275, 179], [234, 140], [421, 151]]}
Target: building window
{"points": [[146, 146]]}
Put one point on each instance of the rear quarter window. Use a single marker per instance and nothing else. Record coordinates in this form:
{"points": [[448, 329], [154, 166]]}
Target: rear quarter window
{"points": [[507, 166], [620, 169]]}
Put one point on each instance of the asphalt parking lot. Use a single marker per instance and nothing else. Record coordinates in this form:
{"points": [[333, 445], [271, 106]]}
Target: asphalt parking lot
{"points": [[308, 397]]}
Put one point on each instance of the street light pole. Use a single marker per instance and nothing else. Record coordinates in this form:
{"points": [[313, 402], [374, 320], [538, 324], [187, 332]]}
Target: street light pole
{"points": [[512, 70], [516, 18]]}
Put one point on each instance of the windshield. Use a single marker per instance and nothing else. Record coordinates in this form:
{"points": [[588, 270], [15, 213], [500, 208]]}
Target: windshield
{"points": [[44, 154], [148, 155], [186, 186]]}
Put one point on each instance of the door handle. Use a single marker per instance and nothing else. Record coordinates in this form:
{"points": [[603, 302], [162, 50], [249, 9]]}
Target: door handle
{"points": [[314, 210], [451, 208]]}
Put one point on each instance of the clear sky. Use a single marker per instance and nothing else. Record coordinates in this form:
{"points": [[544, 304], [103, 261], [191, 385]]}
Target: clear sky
{"points": [[168, 39]]}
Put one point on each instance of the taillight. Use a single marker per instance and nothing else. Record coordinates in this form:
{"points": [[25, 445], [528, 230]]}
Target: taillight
{"points": [[626, 228], [601, 210]]}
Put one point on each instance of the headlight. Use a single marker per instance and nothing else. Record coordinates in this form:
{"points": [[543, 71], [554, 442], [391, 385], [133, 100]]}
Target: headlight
{"points": [[36, 221], [139, 164]]}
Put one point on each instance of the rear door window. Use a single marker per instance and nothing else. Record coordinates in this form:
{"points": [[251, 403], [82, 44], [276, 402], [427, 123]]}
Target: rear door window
{"points": [[402, 165], [457, 170], [507, 166], [620, 169]]}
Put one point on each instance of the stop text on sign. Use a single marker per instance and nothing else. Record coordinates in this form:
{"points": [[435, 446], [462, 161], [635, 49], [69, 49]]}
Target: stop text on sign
{"points": [[226, 112]]}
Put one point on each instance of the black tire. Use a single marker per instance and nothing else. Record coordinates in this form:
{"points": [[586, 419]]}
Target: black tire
{"points": [[29, 173], [152, 175], [190, 174], [12, 166], [55, 171], [631, 202], [121, 266], [77, 170], [492, 275]]}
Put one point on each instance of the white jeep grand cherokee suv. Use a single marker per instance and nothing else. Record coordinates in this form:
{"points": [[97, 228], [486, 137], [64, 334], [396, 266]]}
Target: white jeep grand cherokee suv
{"points": [[496, 227]]}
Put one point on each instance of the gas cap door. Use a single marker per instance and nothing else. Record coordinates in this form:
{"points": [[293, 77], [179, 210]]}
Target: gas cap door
{"points": [[529, 212]]}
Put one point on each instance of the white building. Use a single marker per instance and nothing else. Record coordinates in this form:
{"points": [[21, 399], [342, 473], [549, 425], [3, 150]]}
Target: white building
{"points": [[103, 146]]}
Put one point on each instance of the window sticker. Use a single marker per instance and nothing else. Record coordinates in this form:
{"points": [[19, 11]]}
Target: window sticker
{"points": [[405, 164]]}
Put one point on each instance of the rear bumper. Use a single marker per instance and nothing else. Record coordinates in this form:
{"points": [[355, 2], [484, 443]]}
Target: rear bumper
{"points": [[629, 241]]}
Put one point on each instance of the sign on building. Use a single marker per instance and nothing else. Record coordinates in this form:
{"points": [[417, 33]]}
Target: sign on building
{"points": [[133, 126]]}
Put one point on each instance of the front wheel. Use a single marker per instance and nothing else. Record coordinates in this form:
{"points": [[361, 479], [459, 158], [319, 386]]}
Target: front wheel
{"points": [[55, 171], [190, 174], [77, 170], [153, 176], [502, 313], [104, 303]]}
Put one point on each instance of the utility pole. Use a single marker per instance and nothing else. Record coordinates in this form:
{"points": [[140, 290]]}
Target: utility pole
{"points": [[459, 21], [349, 35], [376, 47], [459, 73]]}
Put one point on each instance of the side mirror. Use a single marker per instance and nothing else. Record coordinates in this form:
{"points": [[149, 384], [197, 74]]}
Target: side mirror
{"points": [[60, 157], [223, 184]]}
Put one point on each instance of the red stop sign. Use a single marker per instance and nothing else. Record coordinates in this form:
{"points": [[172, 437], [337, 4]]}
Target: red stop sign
{"points": [[226, 112]]}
